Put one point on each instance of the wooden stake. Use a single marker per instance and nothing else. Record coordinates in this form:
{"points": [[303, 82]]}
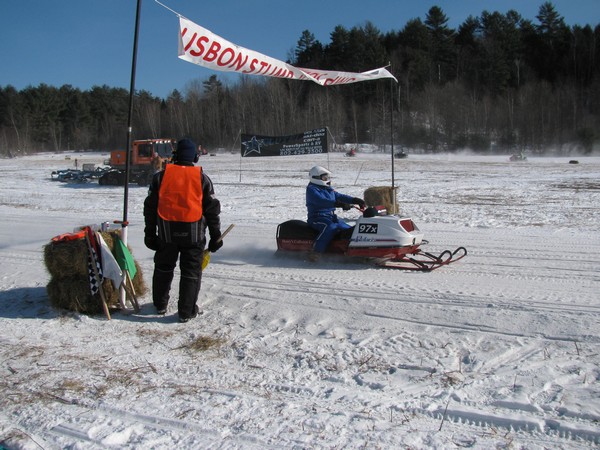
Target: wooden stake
{"points": [[444, 416], [132, 294]]}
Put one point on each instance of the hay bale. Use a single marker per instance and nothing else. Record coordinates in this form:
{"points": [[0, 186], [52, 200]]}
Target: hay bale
{"points": [[382, 195], [109, 238], [69, 287], [64, 259], [68, 258], [73, 294], [138, 281]]}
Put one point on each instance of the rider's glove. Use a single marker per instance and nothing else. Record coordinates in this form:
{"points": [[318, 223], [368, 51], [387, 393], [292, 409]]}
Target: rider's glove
{"points": [[359, 201]]}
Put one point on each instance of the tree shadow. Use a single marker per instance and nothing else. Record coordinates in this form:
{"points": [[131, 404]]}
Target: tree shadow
{"points": [[95, 185]]}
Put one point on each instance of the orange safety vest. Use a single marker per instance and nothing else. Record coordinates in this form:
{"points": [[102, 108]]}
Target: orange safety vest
{"points": [[180, 194]]}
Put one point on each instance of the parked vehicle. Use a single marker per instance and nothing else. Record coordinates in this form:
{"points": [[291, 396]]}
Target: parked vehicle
{"points": [[147, 157], [87, 173]]}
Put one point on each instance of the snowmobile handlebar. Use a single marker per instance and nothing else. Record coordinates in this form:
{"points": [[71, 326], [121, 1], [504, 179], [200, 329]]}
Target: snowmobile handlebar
{"points": [[349, 206], [362, 210]]}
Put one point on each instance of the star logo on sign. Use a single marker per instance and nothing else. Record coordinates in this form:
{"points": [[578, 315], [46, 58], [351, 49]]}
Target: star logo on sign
{"points": [[253, 145]]}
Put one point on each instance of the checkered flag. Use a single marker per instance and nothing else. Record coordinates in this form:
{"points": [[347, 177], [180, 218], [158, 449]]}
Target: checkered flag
{"points": [[94, 282]]}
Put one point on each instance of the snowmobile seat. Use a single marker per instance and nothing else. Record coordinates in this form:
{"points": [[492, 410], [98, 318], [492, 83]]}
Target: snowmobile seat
{"points": [[296, 229]]}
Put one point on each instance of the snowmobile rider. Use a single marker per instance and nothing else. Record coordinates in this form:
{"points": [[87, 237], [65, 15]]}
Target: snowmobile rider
{"points": [[321, 201], [180, 205]]}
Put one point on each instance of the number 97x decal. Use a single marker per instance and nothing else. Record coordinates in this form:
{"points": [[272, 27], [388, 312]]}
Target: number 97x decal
{"points": [[368, 228]]}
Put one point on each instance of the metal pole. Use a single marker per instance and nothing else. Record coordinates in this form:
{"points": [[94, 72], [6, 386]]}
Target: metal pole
{"points": [[392, 129], [125, 222]]}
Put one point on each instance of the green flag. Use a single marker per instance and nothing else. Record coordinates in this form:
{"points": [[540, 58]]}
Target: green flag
{"points": [[124, 258]]}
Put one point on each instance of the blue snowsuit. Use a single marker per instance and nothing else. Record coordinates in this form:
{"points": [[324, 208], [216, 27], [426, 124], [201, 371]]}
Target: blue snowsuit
{"points": [[321, 202]]}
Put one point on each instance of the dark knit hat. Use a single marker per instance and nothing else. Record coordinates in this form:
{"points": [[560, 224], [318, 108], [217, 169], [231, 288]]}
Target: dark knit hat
{"points": [[186, 151]]}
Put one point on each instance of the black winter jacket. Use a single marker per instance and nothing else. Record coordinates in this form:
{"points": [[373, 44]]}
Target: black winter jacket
{"points": [[211, 209]]}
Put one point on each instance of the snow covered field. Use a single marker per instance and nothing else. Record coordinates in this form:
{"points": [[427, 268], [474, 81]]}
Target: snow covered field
{"points": [[500, 350]]}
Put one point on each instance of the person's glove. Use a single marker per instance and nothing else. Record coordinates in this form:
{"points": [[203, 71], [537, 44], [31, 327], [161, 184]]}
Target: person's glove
{"points": [[152, 242], [344, 206], [215, 244], [359, 201]]}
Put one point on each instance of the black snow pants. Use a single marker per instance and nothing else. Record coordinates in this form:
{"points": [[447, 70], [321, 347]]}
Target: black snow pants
{"points": [[190, 264]]}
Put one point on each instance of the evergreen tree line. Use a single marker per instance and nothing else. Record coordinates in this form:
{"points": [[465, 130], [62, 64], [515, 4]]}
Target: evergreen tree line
{"points": [[496, 83]]}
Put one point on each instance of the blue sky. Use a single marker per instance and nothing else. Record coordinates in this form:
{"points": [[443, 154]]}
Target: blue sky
{"points": [[89, 42]]}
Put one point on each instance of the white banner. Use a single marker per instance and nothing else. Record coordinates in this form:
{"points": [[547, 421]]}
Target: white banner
{"points": [[204, 48]]}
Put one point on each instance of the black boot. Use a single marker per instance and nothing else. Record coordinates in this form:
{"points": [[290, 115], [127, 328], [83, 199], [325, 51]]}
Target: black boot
{"points": [[188, 296], [161, 285]]}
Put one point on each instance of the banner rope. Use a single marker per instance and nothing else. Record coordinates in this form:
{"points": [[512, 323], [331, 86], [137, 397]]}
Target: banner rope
{"points": [[172, 10]]}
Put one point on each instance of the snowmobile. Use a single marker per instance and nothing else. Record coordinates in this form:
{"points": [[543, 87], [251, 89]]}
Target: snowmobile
{"points": [[518, 157], [384, 240]]}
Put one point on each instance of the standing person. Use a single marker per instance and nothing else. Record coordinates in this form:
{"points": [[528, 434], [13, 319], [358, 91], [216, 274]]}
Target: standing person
{"points": [[180, 205], [321, 201]]}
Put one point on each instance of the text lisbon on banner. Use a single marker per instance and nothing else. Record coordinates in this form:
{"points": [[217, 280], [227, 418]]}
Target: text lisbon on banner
{"points": [[204, 48]]}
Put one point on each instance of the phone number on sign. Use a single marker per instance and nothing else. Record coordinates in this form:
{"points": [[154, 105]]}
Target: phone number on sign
{"points": [[300, 151]]}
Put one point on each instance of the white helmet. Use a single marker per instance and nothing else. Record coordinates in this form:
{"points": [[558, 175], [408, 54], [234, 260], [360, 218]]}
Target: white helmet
{"points": [[320, 175]]}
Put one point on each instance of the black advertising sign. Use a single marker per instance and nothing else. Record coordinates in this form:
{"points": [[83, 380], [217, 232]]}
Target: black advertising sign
{"points": [[308, 143]]}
